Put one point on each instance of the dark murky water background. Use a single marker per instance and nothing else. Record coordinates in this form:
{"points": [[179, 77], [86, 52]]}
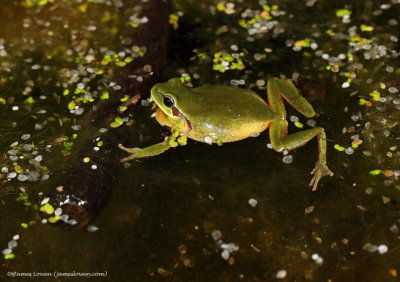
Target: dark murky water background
{"points": [[200, 212]]}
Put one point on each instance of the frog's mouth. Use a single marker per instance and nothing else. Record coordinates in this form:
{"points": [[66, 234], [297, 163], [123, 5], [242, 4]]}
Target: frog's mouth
{"points": [[163, 119], [177, 113]]}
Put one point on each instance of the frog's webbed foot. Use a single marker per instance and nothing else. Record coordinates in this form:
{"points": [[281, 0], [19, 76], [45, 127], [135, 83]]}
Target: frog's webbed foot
{"points": [[154, 150], [319, 171], [133, 152]]}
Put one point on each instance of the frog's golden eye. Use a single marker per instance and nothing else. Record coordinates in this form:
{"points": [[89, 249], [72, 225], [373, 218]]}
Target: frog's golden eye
{"points": [[168, 101]]}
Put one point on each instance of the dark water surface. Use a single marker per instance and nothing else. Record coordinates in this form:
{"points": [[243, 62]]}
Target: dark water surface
{"points": [[197, 212]]}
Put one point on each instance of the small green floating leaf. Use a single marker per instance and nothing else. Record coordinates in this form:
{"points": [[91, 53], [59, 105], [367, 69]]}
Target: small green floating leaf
{"points": [[30, 100], [375, 172], [117, 122], [53, 219], [366, 27], [105, 95], [9, 256], [22, 197], [339, 148], [47, 208], [125, 98], [71, 105], [298, 124], [342, 12], [24, 225]]}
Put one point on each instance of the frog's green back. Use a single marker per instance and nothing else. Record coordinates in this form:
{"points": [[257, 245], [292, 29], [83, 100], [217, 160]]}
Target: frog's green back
{"points": [[229, 113]]}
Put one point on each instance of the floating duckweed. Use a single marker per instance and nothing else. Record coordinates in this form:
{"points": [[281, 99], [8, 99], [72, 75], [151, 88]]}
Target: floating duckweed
{"points": [[24, 225], [86, 159], [58, 211], [260, 82], [30, 100], [105, 95], [303, 43], [224, 61], [44, 201], [79, 90], [349, 150], [281, 274], [100, 143], [72, 221], [393, 272], [330, 32], [219, 141], [122, 108], [298, 124], [376, 96], [47, 208], [71, 105], [135, 21], [343, 12], [345, 84], [34, 3], [22, 177], [9, 256], [317, 258], [182, 140], [22, 197], [253, 202], [53, 219], [174, 20], [92, 228], [356, 143], [117, 122], [261, 21], [185, 78], [364, 27], [388, 173], [83, 8], [228, 8], [339, 148], [287, 159], [173, 143], [375, 172], [362, 102]]}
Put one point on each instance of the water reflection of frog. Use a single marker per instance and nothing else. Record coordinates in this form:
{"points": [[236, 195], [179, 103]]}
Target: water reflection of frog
{"points": [[217, 114]]}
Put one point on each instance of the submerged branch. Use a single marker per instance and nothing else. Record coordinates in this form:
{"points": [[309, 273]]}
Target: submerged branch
{"points": [[82, 191]]}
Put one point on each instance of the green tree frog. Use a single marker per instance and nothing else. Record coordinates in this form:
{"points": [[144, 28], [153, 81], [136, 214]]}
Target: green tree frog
{"points": [[218, 114]]}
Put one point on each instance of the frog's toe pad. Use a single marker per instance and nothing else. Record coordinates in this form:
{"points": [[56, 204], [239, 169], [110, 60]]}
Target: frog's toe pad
{"points": [[129, 150], [319, 171]]}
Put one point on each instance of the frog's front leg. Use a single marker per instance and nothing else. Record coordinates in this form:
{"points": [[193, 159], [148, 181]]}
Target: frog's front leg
{"points": [[137, 153], [279, 126], [170, 142]]}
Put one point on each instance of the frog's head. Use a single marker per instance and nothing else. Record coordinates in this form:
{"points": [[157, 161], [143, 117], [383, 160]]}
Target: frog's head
{"points": [[170, 97]]}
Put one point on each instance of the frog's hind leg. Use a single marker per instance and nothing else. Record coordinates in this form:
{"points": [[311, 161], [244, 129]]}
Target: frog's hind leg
{"points": [[286, 89], [278, 131]]}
